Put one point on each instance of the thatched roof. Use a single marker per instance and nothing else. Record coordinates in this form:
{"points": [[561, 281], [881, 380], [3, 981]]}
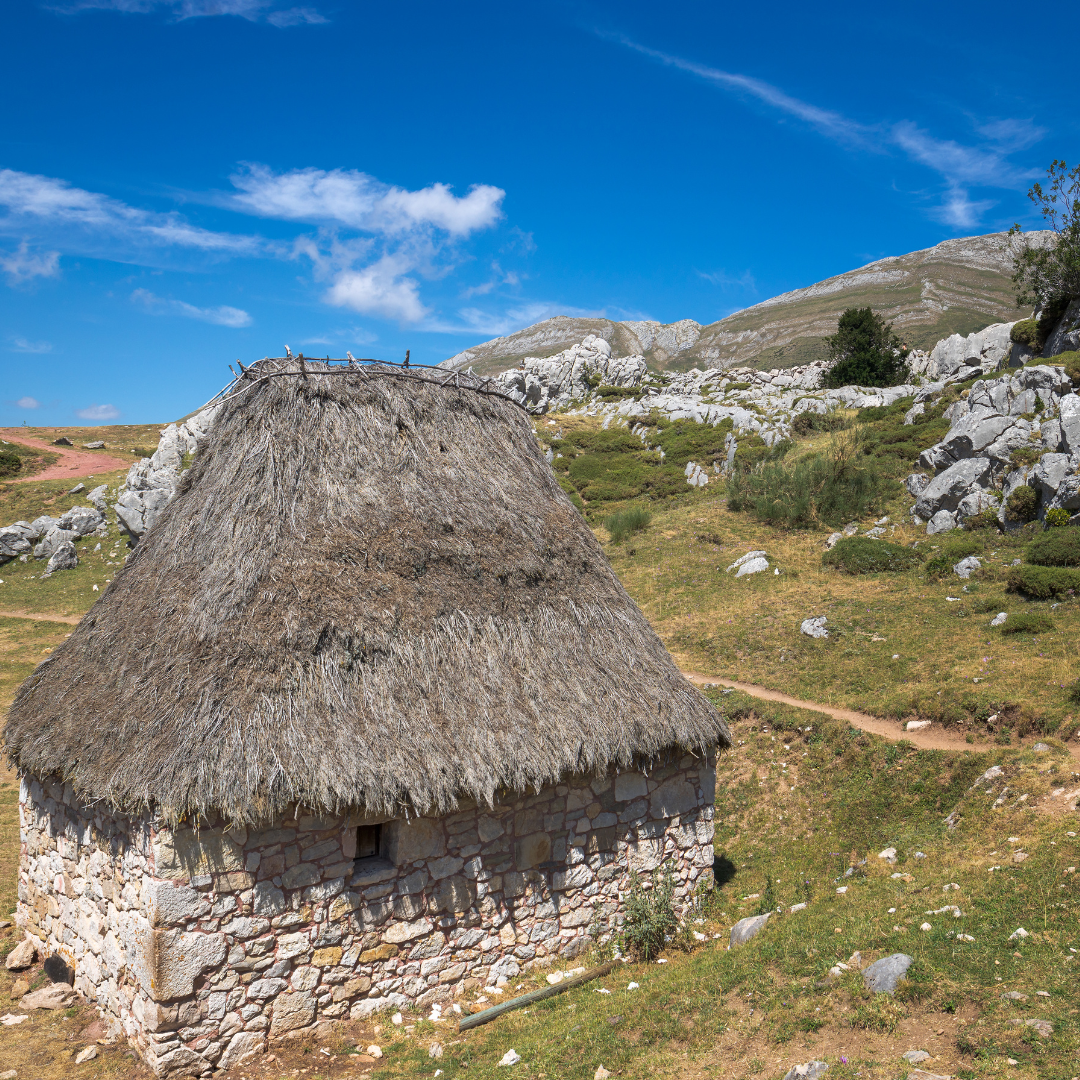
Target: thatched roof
{"points": [[369, 593]]}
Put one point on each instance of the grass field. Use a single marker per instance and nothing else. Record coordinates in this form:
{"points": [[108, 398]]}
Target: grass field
{"points": [[801, 800]]}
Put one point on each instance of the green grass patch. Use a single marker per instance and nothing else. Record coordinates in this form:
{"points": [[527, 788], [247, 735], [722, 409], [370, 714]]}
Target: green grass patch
{"points": [[864, 555], [626, 522], [1028, 622]]}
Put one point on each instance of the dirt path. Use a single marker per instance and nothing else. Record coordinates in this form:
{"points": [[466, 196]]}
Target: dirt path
{"points": [[73, 463], [71, 620], [932, 738]]}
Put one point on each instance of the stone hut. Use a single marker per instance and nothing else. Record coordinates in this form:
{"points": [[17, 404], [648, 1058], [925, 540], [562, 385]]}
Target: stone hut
{"points": [[365, 722]]}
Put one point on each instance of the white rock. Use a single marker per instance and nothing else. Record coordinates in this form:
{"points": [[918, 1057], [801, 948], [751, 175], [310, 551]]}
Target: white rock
{"points": [[374, 1051], [965, 567], [753, 566], [917, 725], [1019, 934], [511, 1057], [750, 556], [815, 627], [889, 854]]}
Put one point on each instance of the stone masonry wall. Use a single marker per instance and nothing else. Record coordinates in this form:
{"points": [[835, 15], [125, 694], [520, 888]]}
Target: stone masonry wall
{"points": [[203, 946]]}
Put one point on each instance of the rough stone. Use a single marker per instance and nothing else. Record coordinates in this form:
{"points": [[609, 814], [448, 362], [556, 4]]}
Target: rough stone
{"points": [[747, 928], [810, 1070], [55, 996], [22, 956], [815, 627], [882, 976]]}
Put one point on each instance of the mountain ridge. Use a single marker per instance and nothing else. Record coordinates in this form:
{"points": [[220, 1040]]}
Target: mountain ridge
{"points": [[961, 285]]}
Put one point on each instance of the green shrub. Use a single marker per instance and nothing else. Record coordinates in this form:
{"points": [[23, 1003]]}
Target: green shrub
{"points": [[864, 555], [737, 386], [833, 486], [808, 421], [987, 604], [626, 522], [685, 440], [650, 914], [985, 519], [1055, 547], [1043, 582], [1025, 455], [1022, 504], [1028, 622], [1057, 518], [1026, 333], [10, 463], [612, 393]]}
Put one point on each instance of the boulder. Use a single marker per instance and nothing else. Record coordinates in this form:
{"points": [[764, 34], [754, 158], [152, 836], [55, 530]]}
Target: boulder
{"points": [[946, 489], [82, 520], [22, 956], [815, 627], [54, 996], [983, 351], [13, 542], [63, 558], [52, 541], [40, 526], [756, 559], [62, 441], [942, 521], [745, 929], [916, 483], [97, 444], [811, 1070], [77, 489], [965, 567], [97, 498], [882, 976]]}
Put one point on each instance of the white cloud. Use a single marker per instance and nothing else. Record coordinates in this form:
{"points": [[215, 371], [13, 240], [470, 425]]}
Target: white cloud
{"points": [[379, 289], [28, 403], [219, 316], [252, 10], [960, 167], [98, 412], [22, 265], [358, 201], [46, 202], [496, 324], [21, 344], [745, 280]]}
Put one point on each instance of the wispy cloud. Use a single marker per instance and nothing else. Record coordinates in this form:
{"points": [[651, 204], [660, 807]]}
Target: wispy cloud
{"points": [[222, 315], [268, 11], [21, 344], [23, 264], [98, 412], [960, 167], [475, 321], [745, 280], [58, 208], [28, 403]]}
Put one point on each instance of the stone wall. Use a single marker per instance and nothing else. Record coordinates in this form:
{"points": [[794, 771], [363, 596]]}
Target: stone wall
{"points": [[204, 946]]}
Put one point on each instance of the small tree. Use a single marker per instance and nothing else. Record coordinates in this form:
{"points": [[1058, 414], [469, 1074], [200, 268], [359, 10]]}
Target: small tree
{"points": [[865, 351], [1047, 275]]}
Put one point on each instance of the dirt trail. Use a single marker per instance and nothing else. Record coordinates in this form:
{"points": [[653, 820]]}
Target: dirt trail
{"points": [[73, 463], [72, 620], [932, 738]]}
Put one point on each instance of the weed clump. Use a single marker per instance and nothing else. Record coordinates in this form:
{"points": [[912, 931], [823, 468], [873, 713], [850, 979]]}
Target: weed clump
{"points": [[1028, 622], [941, 564], [1022, 504], [650, 914], [1043, 582], [1055, 547], [10, 463], [626, 522], [834, 486], [863, 555]]}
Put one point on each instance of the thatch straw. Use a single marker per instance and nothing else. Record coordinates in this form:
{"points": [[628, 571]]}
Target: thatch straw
{"points": [[369, 593]]}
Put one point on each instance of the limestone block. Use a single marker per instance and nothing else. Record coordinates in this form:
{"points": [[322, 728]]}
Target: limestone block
{"points": [[292, 1011], [264, 989], [454, 894], [407, 931], [169, 961], [441, 868], [171, 903], [381, 952], [267, 900], [183, 854], [328, 957], [413, 840], [300, 875], [363, 1009], [243, 1047], [489, 828], [675, 796], [531, 851], [630, 786]]}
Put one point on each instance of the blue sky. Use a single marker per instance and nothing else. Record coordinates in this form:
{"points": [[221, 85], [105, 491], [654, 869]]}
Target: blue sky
{"points": [[185, 183]]}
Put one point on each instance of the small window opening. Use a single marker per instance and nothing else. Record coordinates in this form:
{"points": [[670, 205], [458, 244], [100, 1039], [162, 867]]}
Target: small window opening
{"points": [[368, 838]]}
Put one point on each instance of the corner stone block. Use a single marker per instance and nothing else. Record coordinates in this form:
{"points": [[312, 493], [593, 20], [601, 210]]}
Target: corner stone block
{"points": [[671, 798], [169, 961], [183, 854], [171, 903]]}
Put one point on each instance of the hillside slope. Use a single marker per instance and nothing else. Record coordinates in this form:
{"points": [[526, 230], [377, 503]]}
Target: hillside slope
{"points": [[958, 286]]}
